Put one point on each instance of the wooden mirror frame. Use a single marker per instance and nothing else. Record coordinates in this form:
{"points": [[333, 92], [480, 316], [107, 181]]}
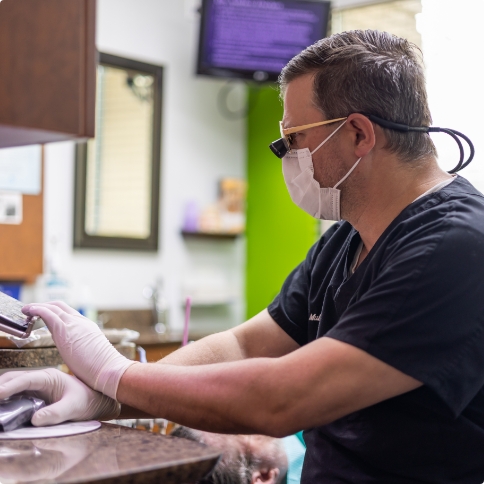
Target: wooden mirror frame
{"points": [[81, 238]]}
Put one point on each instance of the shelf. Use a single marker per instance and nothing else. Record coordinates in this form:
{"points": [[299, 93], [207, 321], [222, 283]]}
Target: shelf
{"points": [[207, 303], [211, 235]]}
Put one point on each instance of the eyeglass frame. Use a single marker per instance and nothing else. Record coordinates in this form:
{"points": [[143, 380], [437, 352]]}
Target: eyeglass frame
{"points": [[286, 132]]}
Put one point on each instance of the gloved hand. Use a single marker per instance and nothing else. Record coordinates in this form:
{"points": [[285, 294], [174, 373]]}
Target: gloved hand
{"points": [[83, 346], [67, 397]]}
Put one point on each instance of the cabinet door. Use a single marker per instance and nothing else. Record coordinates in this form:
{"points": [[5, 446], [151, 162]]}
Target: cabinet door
{"points": [[47, 70]]}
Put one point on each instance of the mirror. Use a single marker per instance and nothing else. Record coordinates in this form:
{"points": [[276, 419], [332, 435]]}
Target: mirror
{"points": [[117, 172]]}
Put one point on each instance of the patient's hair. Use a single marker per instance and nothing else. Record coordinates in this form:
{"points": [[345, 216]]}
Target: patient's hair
{"points": [[369, 72], [236, 467]]}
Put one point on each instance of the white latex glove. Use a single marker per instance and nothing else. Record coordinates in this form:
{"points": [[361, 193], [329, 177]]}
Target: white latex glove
{"points": [[83, 346], [67, 397]]}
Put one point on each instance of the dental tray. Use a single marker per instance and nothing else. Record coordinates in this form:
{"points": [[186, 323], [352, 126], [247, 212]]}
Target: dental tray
{"points": [[39, 338]]}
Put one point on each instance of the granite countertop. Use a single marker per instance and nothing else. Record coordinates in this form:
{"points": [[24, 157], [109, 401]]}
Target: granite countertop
{"points": [[29, 358], [48, 356], [112, 454]]}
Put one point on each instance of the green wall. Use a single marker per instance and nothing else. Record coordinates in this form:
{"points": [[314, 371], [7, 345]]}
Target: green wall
{"points": [[279, 233]]}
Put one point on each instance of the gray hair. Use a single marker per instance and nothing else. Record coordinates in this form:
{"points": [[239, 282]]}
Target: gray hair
{"points": [[234, 467], [369, 72]]}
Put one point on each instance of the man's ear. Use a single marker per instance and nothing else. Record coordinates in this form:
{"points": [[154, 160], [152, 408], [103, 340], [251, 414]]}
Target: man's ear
{"points": [[265, 476], [364, 133]]}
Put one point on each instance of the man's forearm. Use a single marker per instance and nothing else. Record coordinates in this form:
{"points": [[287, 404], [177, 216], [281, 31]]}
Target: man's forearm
{"points": [[128, 412], [206, 397], [313, 386], [216, 348], [259, 337]]}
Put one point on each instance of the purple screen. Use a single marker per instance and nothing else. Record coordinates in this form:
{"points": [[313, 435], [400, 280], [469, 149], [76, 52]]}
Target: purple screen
{"points": [[258, 35]]}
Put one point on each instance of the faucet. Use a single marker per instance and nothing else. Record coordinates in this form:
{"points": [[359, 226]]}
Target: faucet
{"points": [[159, 308]]}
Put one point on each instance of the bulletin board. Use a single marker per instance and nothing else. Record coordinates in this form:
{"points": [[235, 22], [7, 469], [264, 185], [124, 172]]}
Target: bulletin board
{"points": [[21, 245]]}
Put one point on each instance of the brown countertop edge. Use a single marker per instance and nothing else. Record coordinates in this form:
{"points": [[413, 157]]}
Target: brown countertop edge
{"points": [[112, 454]]}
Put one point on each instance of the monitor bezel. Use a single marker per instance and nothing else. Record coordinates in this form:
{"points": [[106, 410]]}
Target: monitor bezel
{"points": [[244, 74]]}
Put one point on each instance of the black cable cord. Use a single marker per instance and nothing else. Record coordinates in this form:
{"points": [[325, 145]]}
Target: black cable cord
{"points": [[450, 132], [471, 147], [396, 126], [431, 129]]}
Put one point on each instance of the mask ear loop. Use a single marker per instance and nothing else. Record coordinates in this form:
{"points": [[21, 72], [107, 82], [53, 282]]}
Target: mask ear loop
{"points": [[348, 174], [329, 137]]}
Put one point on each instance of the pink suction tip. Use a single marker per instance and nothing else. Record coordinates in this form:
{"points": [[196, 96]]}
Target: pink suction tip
{"points": [[187, 321]]}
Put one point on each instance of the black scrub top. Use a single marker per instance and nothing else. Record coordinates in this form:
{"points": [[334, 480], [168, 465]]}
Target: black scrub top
{"points": [[417, 303]]}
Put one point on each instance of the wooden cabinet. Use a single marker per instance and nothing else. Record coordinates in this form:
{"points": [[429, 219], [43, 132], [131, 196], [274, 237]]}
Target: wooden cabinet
{"points": [[47, 70]]}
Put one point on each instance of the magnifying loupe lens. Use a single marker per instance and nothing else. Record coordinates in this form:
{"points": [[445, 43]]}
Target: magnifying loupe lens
{"points": [[279, 148]]}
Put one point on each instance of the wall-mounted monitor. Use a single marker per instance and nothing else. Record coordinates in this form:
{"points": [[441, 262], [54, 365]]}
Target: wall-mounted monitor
{"points": [[254, 39]]}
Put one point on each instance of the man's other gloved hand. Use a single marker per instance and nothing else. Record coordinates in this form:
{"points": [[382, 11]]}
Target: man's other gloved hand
{"points": [[83, 346], [67, 397]]}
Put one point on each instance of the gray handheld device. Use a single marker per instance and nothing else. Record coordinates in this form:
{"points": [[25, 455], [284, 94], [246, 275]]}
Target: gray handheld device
{"points": [[12, 319]]}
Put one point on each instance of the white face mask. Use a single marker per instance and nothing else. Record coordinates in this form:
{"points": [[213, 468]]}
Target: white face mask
{"points": [[298, 169]]}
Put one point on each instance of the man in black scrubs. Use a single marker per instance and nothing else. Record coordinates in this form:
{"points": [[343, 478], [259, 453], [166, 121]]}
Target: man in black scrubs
{"points": [[375, 344]]}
